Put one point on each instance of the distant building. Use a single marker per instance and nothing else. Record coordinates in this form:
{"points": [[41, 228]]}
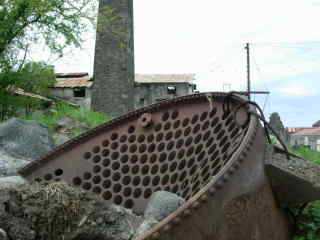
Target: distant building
{"points": [[73, 87], [154, 88], [116, 89], [148, 88], [308, 137]]}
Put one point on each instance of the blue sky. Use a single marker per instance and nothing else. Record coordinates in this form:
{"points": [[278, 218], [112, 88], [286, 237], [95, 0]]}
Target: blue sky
{"points": [[207, 37]]}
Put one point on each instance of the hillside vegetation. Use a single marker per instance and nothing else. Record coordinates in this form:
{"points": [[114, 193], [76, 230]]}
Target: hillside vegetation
{"points": [[309, 222], [308, 154], [82, 119]]}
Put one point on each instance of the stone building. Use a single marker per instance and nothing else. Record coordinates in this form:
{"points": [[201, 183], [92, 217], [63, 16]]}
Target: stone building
{"points": [[148, 88], [308, 137], [73, 87], [151, 89], [305, 136]]}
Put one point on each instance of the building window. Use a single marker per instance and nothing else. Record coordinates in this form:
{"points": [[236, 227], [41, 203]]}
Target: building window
{"points": [[318, 145], [161, 99], [172, 90], [79, 92], [306, 141]]}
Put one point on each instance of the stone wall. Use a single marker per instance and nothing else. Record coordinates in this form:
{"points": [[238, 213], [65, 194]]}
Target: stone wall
{"points": [[312, 141], [114, 58], [68, 94], [147, 94]]}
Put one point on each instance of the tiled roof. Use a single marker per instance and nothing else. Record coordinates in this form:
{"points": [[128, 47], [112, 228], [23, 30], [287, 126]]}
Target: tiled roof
{"points": [[308, 132], [73, 82], [164, 78], [292, 130], [71, 75]]}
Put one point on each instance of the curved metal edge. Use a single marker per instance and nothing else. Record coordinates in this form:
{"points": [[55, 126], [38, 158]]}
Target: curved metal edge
{"points": [[210, 190], [24, 171]]}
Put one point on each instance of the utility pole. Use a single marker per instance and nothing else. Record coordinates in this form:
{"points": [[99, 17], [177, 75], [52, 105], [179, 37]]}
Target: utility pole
{"points": [[248, 71]]}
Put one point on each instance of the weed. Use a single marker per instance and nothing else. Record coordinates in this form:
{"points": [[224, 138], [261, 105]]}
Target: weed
{"points": [[79, 115]]}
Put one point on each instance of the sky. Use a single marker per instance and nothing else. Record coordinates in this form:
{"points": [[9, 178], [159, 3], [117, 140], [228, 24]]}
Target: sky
{"points": [[207, 37]]}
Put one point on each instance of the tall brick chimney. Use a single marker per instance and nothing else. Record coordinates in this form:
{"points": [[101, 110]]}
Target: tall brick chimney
{"points": [[113, 89]]}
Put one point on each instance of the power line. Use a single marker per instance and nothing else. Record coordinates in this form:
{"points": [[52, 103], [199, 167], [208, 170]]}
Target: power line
{"points": [[285, 43]]}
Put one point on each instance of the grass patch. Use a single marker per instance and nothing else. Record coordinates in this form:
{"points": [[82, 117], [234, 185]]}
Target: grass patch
{"points": [[309, 226], [307, 154], [81, 115]]}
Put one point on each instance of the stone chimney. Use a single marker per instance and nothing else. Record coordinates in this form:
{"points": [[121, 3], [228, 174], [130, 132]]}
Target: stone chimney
{"points": [[113, 90]]}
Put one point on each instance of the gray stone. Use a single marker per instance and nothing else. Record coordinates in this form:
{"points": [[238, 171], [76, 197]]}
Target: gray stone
{"points": [[295, 181], [64, 122], [60, 139], [11, 182], [9, 164], [21, 142], [108, 222], [162, 204], [90, 218], [3, 235], [26, 139], [145, 226]]}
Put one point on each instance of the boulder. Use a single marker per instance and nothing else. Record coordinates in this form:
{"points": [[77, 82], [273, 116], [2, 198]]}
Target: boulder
{"points": [[145, 226], [3, 235], [9, 164], [108, 223], [60, 139], [64, 123], [162, 204], [11, 182], [59, 212], [21, 142]]}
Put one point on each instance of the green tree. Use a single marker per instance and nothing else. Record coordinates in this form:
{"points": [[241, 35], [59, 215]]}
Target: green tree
{"points": [[32, 78], [56, 24]]}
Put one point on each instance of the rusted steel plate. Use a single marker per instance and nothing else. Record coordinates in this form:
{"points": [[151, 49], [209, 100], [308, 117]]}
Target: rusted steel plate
{"points": [[188, 146]]}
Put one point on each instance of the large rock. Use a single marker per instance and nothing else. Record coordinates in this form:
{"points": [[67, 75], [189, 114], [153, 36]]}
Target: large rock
{"points": [[60, 212], [108, 223], [9, 164], [60, 139], [11, 182], [145, 226], [21, 142], [162, 204], [3, 235], [295, 181]]}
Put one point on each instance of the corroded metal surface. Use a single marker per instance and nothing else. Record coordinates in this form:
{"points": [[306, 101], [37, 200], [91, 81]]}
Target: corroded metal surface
{"points": [[188, 146]]}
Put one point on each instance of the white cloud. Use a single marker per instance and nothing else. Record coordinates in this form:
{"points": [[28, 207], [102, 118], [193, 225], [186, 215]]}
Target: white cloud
{"points": [[207, 38], [297, 91]]}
